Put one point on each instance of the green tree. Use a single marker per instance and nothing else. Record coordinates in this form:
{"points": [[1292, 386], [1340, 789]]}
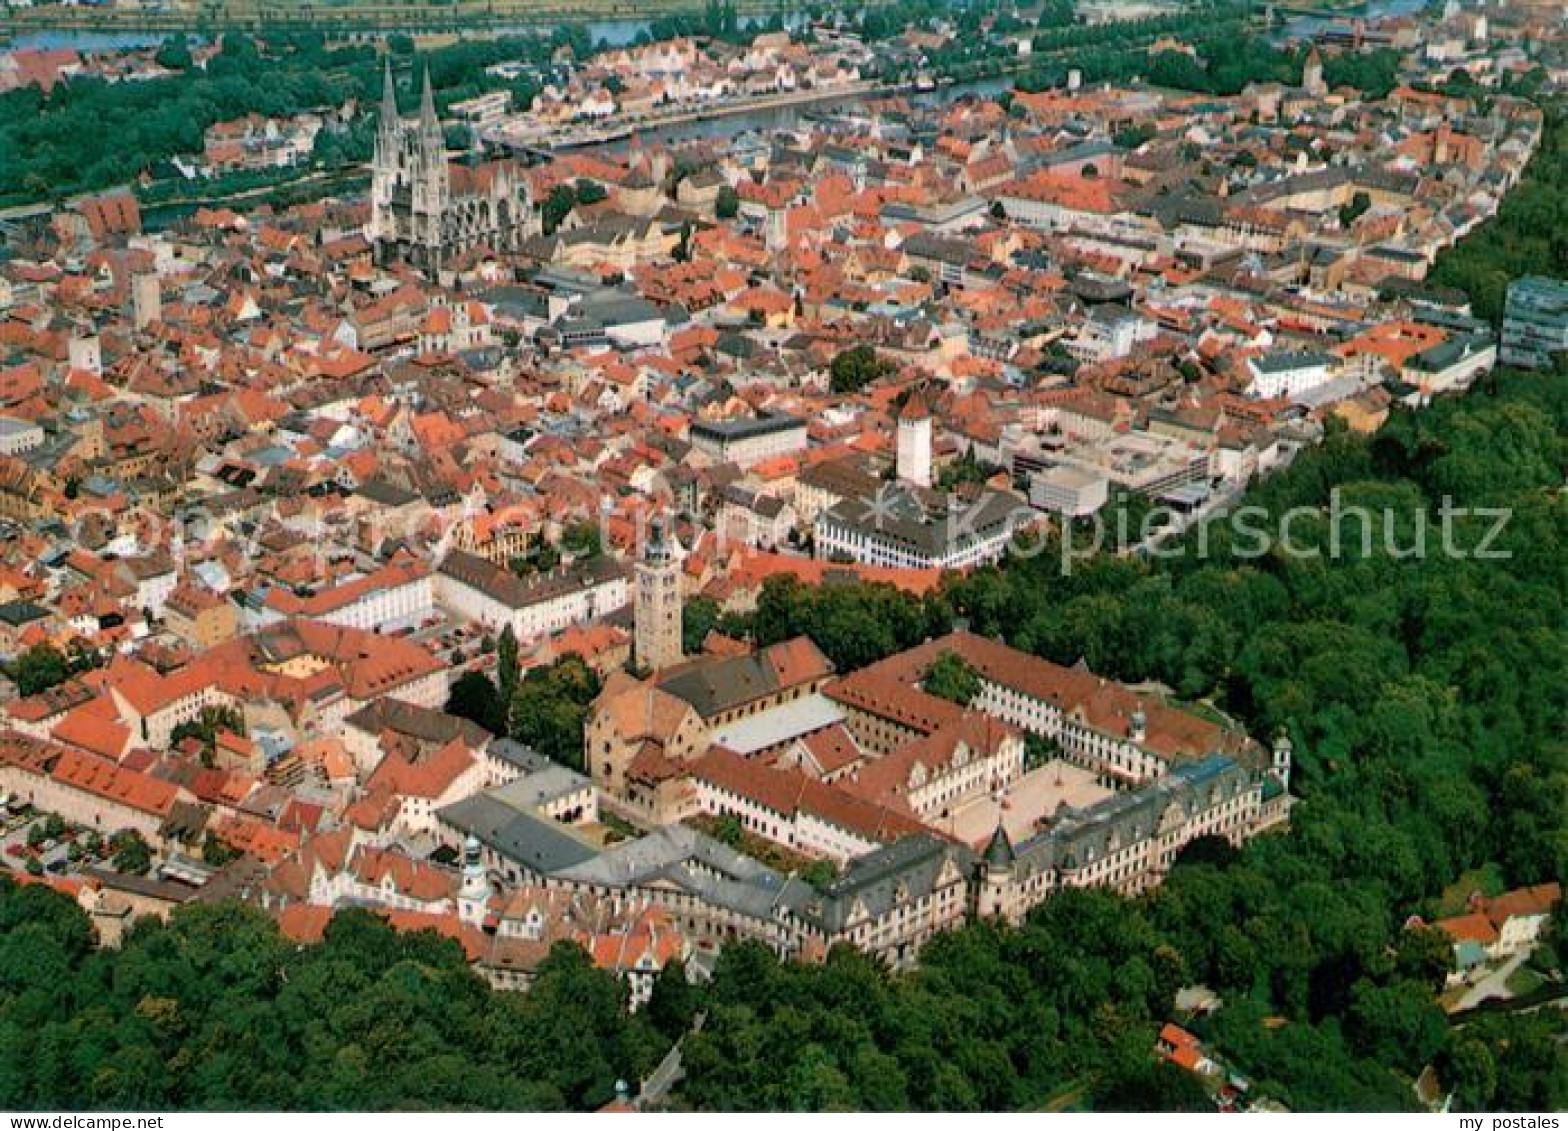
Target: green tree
{"points": [[951, 677], [507, 671], [474, 697], [582, 540], [1354, 208], [174, 54], [130, 853], [39, 668], [1424, 955], [855, 368], [216, 852], [699, 616], [557, 206], [550, 707], [1470, 1072], [674, 1001], [1397, 1024]]}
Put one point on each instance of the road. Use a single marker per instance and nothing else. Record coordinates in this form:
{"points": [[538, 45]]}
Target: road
{"points": [[1493, 985], [669, 1072], [1217, 503], [551, 137]]}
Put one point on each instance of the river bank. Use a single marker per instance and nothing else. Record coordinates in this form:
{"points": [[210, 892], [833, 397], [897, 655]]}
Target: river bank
{"points": [[104, 29]]}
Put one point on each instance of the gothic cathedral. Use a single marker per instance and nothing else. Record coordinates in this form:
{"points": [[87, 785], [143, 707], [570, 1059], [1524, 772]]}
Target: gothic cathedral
{"points": [[425, 211]]}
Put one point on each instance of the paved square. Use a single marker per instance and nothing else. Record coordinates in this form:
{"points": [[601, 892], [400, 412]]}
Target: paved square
{"points": [[1031, 797]]}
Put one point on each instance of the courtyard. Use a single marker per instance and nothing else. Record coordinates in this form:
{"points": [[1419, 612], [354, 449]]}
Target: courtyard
{"points": [[1035, 795]]}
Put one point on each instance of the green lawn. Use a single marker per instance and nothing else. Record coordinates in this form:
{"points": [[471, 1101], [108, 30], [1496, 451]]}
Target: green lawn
{"points": [[1523, 981], [1487, 879]]}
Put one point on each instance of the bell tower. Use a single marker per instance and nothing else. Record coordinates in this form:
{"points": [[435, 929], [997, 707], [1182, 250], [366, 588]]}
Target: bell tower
{"points": [[473, 896], [432, 187], [914, 441], [657, 640], [384, 164]]}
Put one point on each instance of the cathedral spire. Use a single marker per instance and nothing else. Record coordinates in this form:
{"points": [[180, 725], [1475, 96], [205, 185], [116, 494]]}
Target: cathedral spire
{"points": [[388, 96], [427, 104]]}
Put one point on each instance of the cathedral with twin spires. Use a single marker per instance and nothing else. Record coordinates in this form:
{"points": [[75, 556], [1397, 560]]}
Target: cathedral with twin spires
{"points": [[427, 211]]}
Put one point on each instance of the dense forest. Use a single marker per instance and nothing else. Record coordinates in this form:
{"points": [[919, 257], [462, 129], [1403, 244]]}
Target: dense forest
{"points": [[218, 1011], [1528, 236]]}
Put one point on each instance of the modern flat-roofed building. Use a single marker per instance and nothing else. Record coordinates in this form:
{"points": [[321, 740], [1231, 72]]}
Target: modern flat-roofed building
{"points": [[745, 441], [1535, 322], [1068, 490]]}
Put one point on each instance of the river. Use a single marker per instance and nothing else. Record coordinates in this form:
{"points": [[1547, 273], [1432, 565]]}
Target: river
{"points": [[609, 33], [618, 33], [1305, 27], [781, 117]]}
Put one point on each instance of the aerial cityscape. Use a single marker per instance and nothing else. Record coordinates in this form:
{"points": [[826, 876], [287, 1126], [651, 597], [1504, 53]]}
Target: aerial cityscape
{"points": [[938, 555]]}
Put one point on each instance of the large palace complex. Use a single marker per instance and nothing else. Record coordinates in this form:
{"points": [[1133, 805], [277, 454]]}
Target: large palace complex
{"points": [[932, 811]]}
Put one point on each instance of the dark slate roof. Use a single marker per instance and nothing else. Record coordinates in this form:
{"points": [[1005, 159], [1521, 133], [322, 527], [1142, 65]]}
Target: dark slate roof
{"points": [[718, 685], [740, 428], [535, 842], [905, 870], [422, 723]]}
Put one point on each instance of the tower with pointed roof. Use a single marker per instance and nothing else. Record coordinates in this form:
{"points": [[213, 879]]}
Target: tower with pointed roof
{"points": [[432, 188], [993, 896], [384, 161], [656, 639]]}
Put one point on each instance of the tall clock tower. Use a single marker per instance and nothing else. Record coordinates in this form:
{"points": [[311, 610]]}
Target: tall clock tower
{"points": [[657, 640]]}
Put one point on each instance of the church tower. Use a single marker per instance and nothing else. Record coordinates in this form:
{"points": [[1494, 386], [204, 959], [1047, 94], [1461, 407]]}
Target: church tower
{"points": [[410, 184], [1312, 80], [384, 163], [473, 896], [657, 641], [914, 441], [432, 186]]}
